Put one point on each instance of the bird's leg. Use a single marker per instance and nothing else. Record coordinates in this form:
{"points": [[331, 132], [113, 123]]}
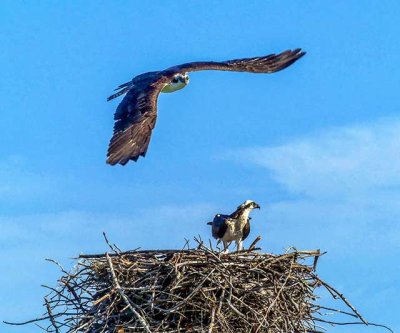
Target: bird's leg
{"points": [[226, 244], [239, 244]]}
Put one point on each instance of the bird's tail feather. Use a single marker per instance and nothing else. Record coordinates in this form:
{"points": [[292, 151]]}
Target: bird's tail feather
{"points": [[123, 88]]}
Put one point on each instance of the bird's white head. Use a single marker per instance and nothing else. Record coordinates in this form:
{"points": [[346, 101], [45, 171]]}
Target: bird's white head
{"points": [[179, 81], [249, 204]]}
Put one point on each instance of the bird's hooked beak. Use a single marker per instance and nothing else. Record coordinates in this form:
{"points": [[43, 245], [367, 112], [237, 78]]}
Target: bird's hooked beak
{"points": [[256, 205]]}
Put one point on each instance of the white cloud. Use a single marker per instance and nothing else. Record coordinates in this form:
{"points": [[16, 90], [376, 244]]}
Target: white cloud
{"points": [[349, 160], [345, 186]]}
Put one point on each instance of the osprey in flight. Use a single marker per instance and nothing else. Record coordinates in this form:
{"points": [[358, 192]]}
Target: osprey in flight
{"points": [[136, 115], [233, 227]]}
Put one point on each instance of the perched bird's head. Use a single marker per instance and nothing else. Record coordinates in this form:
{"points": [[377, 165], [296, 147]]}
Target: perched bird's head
{"points": [[179, 81], [249, 204]]}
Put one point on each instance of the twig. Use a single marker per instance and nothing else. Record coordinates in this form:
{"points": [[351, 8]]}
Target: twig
{"points": [[327, 286], [253, 245], [52, 319], [113, 247], [198, 290], [126, 299]]}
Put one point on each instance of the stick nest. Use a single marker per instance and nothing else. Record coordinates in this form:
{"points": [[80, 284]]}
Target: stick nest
{"points": [[196, 290]]}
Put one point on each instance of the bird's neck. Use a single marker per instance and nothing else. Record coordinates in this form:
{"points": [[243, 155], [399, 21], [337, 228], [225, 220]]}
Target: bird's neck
{"points": [[244, 217]]}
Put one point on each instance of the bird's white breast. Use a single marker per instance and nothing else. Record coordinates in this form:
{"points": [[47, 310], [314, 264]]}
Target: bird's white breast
{"points": [[233, 231]]}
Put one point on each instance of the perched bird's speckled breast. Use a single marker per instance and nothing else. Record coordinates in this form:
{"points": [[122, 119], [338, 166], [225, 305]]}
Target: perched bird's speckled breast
{"points": [[235, 228]]}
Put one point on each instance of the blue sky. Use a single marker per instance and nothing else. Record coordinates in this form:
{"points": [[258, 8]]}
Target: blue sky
{"points": [[317, 145]]}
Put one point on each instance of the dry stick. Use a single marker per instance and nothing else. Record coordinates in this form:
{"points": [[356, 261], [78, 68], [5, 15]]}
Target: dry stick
{"points": [[53, 322], [194, 291], [132, 252], [253, 245], [28, 321], [228, 301], [72, 291], [353, 323], [186, 246], [220, 300], [316, 260], [230, 295], [59, 266], [276, 298], [57, 293], [327, 286], [335, 310], [126, 299], [212, 253], [102, 255], [211, 326], [199, 242], [260, 278], [111, 246], [210, 244]]}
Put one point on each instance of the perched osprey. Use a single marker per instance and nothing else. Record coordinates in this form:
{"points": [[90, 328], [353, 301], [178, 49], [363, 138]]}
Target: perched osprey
{"points": [[233, 227], [136, 115]]}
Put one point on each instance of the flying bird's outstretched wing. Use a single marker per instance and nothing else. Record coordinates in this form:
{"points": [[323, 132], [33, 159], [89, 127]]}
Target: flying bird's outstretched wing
{"points": [[267, 64], [136, 115], [135, 119]]}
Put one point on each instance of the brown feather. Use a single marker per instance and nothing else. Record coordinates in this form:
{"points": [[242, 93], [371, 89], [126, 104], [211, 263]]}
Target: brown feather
{"points": [[246, 230], [136, 115], [135, 118], [266, 64]]}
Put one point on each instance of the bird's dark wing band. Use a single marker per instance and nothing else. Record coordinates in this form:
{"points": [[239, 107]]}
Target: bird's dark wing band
{"points": [[246, 230], [135, 119], [267, 64]]}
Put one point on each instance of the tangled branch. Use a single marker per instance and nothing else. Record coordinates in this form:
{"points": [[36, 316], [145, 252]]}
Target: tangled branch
{"points": [[193, 290]]}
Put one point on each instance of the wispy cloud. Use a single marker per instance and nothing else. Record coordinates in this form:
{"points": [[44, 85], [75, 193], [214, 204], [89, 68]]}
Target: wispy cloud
{"points": [[343, 185], [350, 159]]}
